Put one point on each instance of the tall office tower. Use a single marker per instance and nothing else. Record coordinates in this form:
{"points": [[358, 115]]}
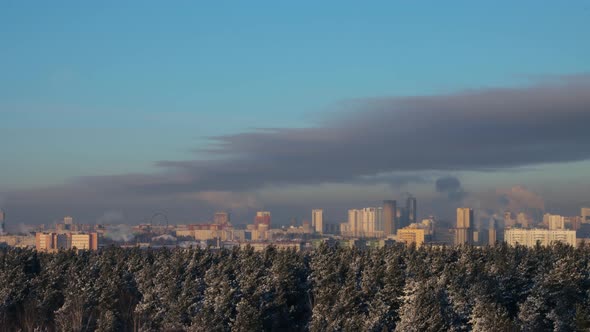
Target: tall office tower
{"points": [[2, 218], [403, 220], [389, 217], [68, 220], [585, 213], [464, 230], [317, 220], [411, 207], [492, 235], [262, 218], [221, 218]]}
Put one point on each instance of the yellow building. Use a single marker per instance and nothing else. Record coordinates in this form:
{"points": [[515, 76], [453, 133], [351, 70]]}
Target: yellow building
{"points": [[51, 242], [19, 241], [87, 241], [411, 235], [206, 234]]}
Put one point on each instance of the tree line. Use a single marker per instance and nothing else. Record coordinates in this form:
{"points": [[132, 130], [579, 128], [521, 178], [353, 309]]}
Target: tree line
{"points": [[333, 288]]}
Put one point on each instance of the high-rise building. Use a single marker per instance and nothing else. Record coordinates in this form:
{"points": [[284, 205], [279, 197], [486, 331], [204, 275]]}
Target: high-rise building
{"points": [[492, 234], [317, 220], [2, 219], [379, 221], [411, 209], [403, 219], [464, 218], [68, 220], [585, 213], [365, 222], [554, 221], [389, 217], [572, 222], [368, 221], [262, 218], [353, 222], [464, 230], [221, 218]]}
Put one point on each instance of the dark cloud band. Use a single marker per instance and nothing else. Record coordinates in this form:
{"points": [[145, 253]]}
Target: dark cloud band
{"points": [[479, 130]]}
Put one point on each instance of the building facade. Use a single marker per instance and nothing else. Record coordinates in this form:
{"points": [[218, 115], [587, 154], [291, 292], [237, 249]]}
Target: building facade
{"points": [[2, 219], [262, 218], [367, 222], [51, 242], [317, 220], [530, 237], [523, 220], [411, 235], [411, 207], [88, 241], [554, 221], [389, 217], [464, 230], [221, 218]]}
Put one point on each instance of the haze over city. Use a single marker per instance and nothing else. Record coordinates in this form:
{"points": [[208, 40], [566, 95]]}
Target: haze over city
{"points": [[113, 112], [294, 166]]}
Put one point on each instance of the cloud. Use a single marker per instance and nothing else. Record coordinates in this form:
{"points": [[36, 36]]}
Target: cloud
{"points": [[111, 217], [519, 198], [493, 203], [398, 140], [447, 184], [229, 200], [483, 130], [451, 186]]}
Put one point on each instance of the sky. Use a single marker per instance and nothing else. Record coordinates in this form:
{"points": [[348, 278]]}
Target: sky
{"points": [[133, 108]]}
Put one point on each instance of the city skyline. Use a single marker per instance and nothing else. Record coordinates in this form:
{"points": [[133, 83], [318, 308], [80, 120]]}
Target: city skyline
{"points": [[292, 107], [294, 166]]}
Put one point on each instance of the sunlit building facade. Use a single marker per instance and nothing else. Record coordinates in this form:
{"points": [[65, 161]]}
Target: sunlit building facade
{"points": [[317, 220], [530, 237], [464, 230]]}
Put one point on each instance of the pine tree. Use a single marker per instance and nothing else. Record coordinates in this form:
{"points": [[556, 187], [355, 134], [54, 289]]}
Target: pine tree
{"points": [[489, 316], [425, 308], [221, 297]]}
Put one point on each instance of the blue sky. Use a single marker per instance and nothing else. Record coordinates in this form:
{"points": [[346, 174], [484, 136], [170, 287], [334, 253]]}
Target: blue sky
{"points": [[110, 87]]}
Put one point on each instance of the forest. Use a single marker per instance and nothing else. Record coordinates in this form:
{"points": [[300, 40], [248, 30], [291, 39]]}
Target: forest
{"points": [[332, 288]]}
